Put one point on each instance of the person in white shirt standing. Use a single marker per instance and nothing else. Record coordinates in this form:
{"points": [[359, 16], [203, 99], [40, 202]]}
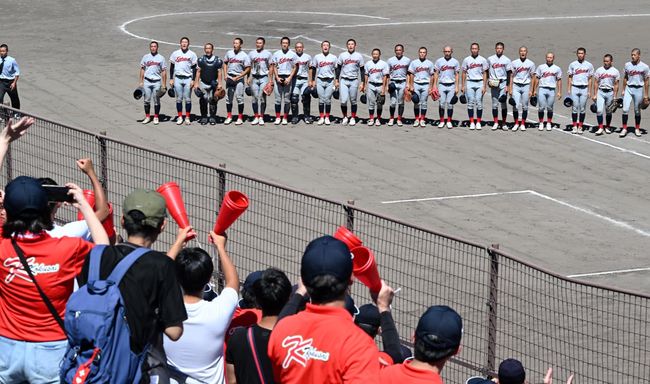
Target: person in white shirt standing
{"points": [[549, 85], [236, 66], [182, 68], [498, 76], [474, 85], [153, 77], [350, 72], [398, 66], [198, 354], [9, 75], [605, 92], [300, 85], [446, 79], [323, 78], [376, 83], [579, 84], [260, 60], [520, 87], [283, 69], [420, 80], [635, 90]]}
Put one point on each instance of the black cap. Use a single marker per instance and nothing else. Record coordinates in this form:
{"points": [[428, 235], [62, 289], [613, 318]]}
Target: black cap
{"points": [[511, 371], [368, 314], [326, 256], [478, 380], [440, 327], [25, 196], [350, 306]]}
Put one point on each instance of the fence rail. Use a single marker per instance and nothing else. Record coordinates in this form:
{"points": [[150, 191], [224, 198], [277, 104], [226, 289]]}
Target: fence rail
{"points": [[510, 308]]}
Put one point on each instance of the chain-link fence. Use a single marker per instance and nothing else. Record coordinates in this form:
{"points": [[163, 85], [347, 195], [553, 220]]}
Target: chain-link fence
{"points": [[510, 308]]}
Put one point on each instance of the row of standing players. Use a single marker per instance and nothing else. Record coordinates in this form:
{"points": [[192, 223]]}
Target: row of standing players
{"points": [[295, 76]]}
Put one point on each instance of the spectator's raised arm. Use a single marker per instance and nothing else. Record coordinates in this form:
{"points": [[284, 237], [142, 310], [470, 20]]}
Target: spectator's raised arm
{"points": [[97, 231], [13, 131], [101, 202]]}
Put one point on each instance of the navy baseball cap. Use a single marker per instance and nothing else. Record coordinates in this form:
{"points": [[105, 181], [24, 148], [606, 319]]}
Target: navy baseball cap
{"points": [[368, 314], [25, 196], [350, 306], [248, 288], [326, 256], [511, 371], [478, 380], [440, 327]]}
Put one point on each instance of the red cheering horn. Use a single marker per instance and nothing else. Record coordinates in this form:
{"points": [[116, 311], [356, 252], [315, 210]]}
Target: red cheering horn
{"points": [[234, 204], [349, 238], [364, 268], [89, 194], [172, 194]]}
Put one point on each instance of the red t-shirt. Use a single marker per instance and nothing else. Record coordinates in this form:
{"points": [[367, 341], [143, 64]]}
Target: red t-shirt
{"points": [[243, 318], [405, 373], [55, 263], [322, 345]]}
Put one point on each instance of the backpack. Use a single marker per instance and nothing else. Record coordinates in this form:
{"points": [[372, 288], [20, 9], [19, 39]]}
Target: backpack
{"points": [[99, 349]]}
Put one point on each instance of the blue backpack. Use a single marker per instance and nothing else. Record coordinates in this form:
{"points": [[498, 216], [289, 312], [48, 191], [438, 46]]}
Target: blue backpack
{"points": [[99, 349]]}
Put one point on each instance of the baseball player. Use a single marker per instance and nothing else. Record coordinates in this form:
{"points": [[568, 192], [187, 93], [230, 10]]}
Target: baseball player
{"points": [[520, 87], [375, 82], [153, 77], [348, 67], [605, 92], [420, 78], [283, 67], [475, 69], [635, 90], [9, 75], [579, 74], [182, 68], [323, 77], [498, 76], [301, 85], [208, 80], [446, 79], [398, 66], [549, 85], [236, 65], [260, 61]]}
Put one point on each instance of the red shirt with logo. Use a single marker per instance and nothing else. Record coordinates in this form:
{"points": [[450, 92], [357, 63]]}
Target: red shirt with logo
{"points": [[406, 373], [55, 263], [322, 345]]}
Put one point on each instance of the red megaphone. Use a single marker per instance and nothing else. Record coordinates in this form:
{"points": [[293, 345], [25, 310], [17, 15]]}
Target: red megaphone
{"points": [[89, 194], [174, 201], [349, 238], [234, 204], [364, 268]]}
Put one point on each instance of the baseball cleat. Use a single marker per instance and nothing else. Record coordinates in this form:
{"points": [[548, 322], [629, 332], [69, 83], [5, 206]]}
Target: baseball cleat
{"points": [[600, 131], [377, 122], [371, 122], [391, 121], [637, 132], [399, 122], [478, 126], [146, 120], [423, 123], [515, 127], [580, 131], [203, 121], [188, 121], [321, 121], [449, 125], [239, 121], [295, 120], [522, 127], [623, 132], [608, 131], [212, 121], [574, 130], [472, 126], [540, 126], [495, 126], [261, 121], [549, 126], [344, 121], [156, 120], [327, 120], [309, 120], [179, 121], [284, 121], [228, 120], [277, 121], [441, 124], [255, 121], [352, 121], [416, 123]]}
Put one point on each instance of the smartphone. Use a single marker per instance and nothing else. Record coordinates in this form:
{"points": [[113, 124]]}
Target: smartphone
{"points": [[57, 193]]}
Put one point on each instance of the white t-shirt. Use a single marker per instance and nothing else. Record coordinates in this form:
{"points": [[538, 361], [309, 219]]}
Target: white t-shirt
{"points": [[73, 229], [199, 352]]}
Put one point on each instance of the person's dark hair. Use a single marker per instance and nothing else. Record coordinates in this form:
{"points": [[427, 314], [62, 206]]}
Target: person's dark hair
{"points": [[193, 269], [30, 222], [325, 289], [5, 46], [261, 38], [399, 45], [133, 226], [376, 49], [607, 55], [351, 40], [153, 42], [427, 354], [185, 38], [581, 49], [272, 291], [210, 44], [248, 299], [241, 41], [499, 44], [285, 38], [477, 46]]}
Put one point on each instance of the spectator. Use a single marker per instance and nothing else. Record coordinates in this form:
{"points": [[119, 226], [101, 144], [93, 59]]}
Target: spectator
{"points": [[198, 354], [247, 312], [374, 321], [437, 338], [248, 362], [32, 339], [9, 75], [79, 228], [152, 297], [322, 344], [511, 371]]}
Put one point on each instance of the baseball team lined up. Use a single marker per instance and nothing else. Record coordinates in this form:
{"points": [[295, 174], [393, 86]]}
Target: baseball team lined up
{"points": [[295, 77]]}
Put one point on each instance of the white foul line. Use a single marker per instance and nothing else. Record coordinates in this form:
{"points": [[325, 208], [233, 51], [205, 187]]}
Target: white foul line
{"points": [[617, 223], [454, 197], [502, 20], [610, 272]]}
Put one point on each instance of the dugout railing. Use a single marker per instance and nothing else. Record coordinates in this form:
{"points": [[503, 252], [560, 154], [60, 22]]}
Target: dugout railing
{"points": [[510, 308]]}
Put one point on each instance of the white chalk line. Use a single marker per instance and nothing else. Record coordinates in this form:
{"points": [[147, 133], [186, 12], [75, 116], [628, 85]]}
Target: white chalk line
{"points": [[615, 272], [500, 20], [617, 223]]}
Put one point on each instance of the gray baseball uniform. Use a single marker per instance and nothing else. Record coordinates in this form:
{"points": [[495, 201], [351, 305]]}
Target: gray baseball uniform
{"points": [[284, 63], [376, 72], [605, 79], [350, 64], [499, 68], [580, 72], [422, 70], [325, 72], [474, 67], [154, 66], [183, 73], [301, 79], [237, 63], [398, 70], [522, 72], [447, 71], [260, 63], [636, 75], [548, 78]]}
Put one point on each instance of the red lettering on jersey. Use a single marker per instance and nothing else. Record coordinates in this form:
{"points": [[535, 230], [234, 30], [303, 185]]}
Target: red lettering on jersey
{"points": [[325, 63], [522, 69], [635, 72], [181, 59], [498, 65], [375, 70], [421, 69], [580, 71], [350, 61], [284, 60], [151, 63], [474, 65], [398, 67], [447, 68], [548, 74]]}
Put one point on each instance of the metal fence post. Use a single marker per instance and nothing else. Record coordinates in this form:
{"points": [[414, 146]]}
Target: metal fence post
{"points": [[349, 213], [103, 154], [492, 308], [219, 277], [9, 164]]}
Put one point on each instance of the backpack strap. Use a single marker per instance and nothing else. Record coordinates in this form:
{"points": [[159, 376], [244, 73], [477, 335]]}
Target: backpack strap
{"points": [[251, 342], [126, 263], [95, 262]]}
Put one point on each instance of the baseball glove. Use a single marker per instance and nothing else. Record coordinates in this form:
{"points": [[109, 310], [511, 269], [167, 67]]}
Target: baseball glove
{"points": [[268, 88], [161, 92], [435, 94], [407, 95], [645, 103], [612, 106], [381, 99], [220, 93], [493, 83]]}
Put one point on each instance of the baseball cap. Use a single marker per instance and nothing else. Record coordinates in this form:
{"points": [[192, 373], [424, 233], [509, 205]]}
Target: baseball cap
{"points": [[368, 314], [247, 290], [511, 371], [326, 256], [478, 380], [350, 306], [440, 327], [149, 203], [25, 196]]}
